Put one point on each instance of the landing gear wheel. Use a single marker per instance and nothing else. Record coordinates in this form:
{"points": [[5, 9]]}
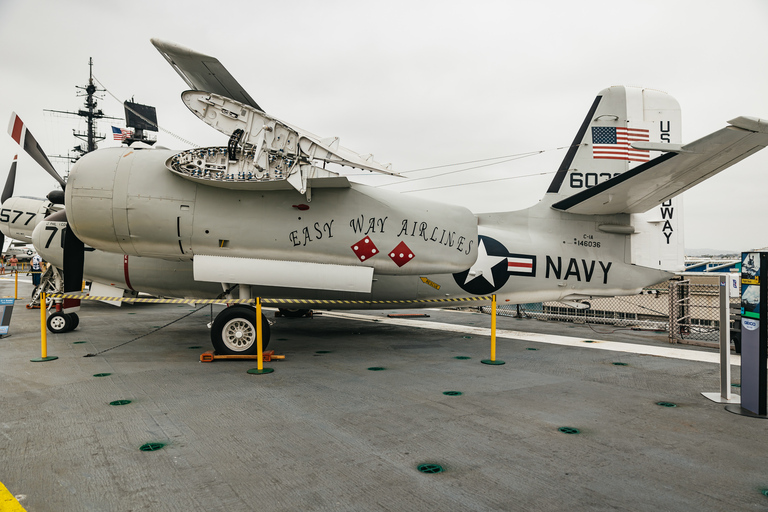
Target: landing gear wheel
{"points": [[75, 320], [293, 313], [59, 323], [234, 331]]}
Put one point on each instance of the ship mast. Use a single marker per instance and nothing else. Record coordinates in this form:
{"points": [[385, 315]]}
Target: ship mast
{"points": [[91, 113]]}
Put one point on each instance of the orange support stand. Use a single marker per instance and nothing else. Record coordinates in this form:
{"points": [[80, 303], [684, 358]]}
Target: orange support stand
{"points": [[267, 355]]}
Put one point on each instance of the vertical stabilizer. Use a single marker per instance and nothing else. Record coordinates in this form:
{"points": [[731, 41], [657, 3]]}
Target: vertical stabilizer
{"points": [[603, 148]]}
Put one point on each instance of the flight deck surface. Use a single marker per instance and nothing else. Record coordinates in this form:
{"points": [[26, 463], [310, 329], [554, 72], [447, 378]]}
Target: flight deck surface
{"points": [[326, 431]]}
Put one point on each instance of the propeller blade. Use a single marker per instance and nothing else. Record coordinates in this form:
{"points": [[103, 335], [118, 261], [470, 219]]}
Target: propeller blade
{"points": [[19, 132], [9, 182]]}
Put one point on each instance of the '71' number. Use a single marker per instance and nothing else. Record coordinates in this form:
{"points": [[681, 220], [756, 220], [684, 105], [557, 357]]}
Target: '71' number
{"points": [[53, 230]]}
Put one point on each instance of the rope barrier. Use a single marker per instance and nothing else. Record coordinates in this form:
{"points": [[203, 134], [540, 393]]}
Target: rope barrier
{"points": [[82, 296]]}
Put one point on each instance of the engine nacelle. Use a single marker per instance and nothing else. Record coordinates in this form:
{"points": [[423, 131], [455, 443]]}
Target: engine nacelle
{"points": [[126, 201]]}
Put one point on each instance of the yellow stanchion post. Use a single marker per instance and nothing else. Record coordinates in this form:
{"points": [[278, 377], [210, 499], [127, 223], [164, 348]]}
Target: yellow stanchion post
{"points": [[493, 329], [259, 370], [43, 334], [493, 359], [259, 341], [16, 287]]}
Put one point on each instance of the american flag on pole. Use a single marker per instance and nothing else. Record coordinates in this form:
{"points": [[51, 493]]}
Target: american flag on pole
{"points": [[615, 143], [120, 133]]}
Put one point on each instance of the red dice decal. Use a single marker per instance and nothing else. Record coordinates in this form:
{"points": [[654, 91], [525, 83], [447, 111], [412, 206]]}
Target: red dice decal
{"points": [[365, 249], [401, 254]]}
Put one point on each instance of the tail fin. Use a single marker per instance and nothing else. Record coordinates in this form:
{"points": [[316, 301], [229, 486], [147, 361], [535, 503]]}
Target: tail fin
{"points": [[619, 117]]}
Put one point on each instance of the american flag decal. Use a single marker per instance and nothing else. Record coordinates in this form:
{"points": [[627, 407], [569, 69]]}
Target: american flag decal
{"points": [[615, 143], [521, 265]]}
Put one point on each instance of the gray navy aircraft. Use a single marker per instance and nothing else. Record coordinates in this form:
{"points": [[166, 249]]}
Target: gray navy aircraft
{"points": [[264, 217]]}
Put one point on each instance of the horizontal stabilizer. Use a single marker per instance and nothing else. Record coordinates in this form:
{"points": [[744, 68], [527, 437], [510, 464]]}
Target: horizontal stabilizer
{"points": [[664, 147], [203, 72], [653, 182]]}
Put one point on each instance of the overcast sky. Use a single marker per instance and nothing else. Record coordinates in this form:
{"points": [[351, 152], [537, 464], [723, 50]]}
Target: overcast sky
{"points": [[418, 84]]}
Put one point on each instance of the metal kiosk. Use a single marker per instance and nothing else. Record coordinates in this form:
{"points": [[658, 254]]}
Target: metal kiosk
{"points": [[754, 342]]}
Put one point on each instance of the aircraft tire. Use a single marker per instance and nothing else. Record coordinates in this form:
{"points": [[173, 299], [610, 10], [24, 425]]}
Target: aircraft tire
{"points": [[59, 323], [75, 321], [233, 332], [293, 313]]}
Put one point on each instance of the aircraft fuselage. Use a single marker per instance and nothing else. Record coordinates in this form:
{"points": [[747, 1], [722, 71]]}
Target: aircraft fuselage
{"points": [[147, 225]]}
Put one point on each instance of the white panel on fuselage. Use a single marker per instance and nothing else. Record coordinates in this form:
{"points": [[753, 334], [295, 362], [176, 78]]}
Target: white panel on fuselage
{"points": [[105, 290], [288, 274]]}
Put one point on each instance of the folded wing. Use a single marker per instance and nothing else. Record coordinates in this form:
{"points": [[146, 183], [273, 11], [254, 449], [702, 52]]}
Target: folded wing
{"points": [[203, 72]]}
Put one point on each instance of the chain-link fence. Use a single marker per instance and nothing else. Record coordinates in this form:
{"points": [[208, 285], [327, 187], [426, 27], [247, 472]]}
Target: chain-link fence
{"points": [[687, 309], [694, 311]]}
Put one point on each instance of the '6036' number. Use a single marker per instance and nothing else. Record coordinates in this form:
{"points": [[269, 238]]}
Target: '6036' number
{"points": [[590, 179]]}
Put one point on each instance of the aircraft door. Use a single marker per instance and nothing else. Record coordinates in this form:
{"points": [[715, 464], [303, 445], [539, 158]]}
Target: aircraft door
{"points": [[184, 228]]}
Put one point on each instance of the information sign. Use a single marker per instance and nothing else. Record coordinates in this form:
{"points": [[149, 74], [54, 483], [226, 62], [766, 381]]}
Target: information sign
{"points": [[6, 309], [754, 346]]}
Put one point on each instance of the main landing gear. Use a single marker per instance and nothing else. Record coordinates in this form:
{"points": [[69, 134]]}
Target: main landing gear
{"points": [[233, 332]]}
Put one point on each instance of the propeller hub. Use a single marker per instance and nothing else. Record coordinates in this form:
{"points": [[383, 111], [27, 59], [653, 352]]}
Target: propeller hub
{"points": [[56, 196]]}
